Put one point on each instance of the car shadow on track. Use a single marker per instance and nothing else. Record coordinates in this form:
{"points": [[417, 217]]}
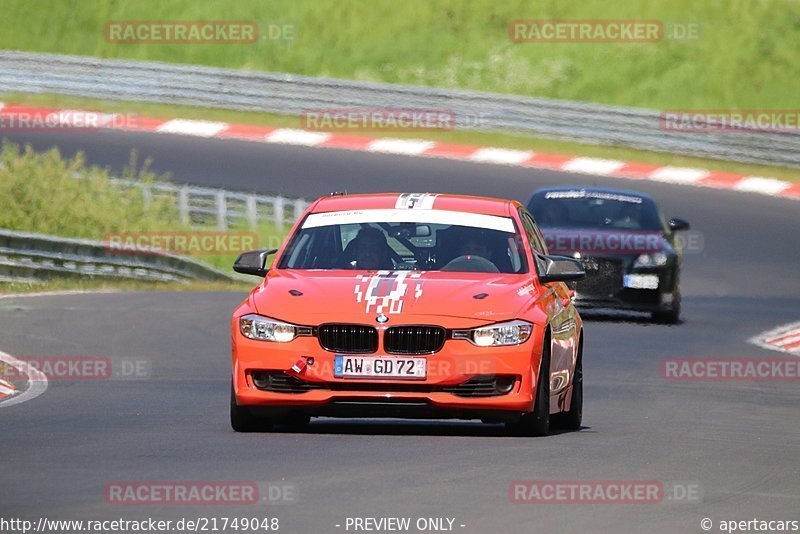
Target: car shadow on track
{"points": [[596, 316], [407, 428]]}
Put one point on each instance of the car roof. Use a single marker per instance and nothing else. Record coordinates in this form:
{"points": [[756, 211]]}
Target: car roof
{"points": [[470, 204], [593, 189]]}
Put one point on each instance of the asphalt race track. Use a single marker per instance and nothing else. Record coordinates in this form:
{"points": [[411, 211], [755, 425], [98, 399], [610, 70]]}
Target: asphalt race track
{"points": [[735, 442]]}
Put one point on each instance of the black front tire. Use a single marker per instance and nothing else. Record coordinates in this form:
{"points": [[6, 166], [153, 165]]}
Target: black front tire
{"points": [[671, 316], [297, 421], [667, 316], [242, 420], [537, 422]]}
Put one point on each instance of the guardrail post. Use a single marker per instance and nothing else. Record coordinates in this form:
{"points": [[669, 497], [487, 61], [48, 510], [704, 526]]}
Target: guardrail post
{"points": [[251, 210], [222, 211], [183, 204], [299, 208], [278, 209]]}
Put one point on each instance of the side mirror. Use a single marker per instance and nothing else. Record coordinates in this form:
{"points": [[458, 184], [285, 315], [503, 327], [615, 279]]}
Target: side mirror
{"points": [[676, 224], [561, 269], [253, 262]]}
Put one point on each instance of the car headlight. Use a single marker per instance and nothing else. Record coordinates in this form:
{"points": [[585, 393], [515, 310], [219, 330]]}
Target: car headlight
{"points": [[497, 335], [655, 259], [265, 329]]}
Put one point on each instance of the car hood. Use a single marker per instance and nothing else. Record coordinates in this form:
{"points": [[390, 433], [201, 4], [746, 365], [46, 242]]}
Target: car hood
{"points": [[590, 242], [406, 297]]}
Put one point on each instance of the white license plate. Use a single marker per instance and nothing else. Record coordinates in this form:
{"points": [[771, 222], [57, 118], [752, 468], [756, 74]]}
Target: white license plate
{"points": [[641, 281], [378, 367]]}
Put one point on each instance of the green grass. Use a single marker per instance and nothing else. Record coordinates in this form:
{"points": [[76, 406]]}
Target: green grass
{"points": [[39, 194], [745, 58], [44, 192], [461, 137]]}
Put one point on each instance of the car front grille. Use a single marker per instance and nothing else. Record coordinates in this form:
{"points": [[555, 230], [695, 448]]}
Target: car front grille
{"points": [[603, 278], [414, 339], [348, 338]]}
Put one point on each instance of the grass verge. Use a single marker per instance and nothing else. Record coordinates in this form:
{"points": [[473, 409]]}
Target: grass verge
{"points": [[44, 192]]}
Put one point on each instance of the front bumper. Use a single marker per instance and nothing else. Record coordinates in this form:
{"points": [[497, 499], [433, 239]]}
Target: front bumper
{"points": [[631, 300], [437, 396], [607, 289]]}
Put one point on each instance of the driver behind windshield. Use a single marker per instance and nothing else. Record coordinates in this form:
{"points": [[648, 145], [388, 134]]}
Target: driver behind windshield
{"points": [[629, 216], [368, 251]]}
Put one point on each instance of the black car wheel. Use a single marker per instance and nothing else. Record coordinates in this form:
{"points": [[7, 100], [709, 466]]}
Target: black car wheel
{"points": [[669, 316], [244, 421], [537, 422]]}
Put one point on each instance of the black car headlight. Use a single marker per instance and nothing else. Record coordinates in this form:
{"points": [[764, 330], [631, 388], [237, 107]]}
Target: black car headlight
{"points": [[497, 335], [262, 328]]}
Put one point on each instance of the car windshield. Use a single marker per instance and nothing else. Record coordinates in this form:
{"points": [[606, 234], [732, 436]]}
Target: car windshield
{"points": [[594, 210], [429, 240]]}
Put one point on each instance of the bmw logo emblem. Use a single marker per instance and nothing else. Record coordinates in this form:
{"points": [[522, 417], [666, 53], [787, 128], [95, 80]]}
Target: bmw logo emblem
{"points": [[382, 319]]}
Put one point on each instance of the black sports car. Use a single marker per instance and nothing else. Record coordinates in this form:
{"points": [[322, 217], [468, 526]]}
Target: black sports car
{"points": [[631, 256]]}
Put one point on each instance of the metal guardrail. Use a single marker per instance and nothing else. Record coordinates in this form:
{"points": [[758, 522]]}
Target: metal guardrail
{"points": [[202, 206], [33, 258], [290, 94]]}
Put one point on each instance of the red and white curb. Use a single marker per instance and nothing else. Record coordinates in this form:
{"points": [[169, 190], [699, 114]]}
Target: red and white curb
{"points": [[6, 389], [10, 394], [409, 147], [785, 338]]}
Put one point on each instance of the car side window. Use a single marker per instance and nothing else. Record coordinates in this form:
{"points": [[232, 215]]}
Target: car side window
{"points": [[542, 240], [537, 243], [535, 238]]}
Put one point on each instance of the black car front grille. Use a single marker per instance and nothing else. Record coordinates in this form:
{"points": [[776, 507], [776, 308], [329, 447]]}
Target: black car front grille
{"points": [[603, 278], [417, 339], [348, 338]]}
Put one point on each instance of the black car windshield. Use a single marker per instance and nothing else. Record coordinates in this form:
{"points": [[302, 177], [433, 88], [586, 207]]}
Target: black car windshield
{"points": [[394, 240], [594, 210]]}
